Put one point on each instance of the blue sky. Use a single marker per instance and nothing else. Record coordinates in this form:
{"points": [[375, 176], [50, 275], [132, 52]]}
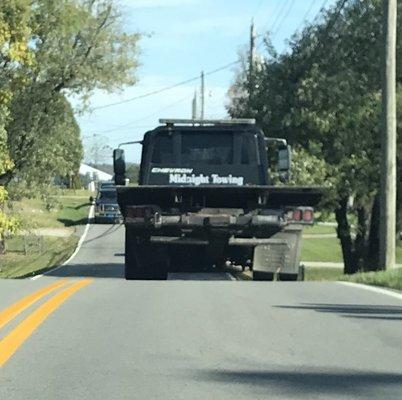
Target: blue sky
{"points": [[182, 38]]}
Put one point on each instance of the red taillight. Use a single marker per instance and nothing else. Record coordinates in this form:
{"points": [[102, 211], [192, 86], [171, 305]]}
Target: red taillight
{"points": [[302, 215], [308, 215], [297, 215]]}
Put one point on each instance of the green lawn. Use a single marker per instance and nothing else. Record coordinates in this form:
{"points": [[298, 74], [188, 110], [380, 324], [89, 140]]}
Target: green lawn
{"points": [[321, 249], [15, 264], [24, 257], [74, 211], [329, 249], [323, 274], [71, 209], [319, 229]]}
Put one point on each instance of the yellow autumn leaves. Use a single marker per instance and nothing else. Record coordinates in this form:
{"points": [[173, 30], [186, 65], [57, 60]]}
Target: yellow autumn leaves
{"points": [[14, 36]]}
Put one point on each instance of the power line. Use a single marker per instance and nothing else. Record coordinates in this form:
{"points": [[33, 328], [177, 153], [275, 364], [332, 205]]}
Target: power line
{"points": [[303, 20], [154, 92], [337, 15], [284, 17], [277, 7], [141, 96], [308, 13], [330, 26], [156, 113], [279, 15], [332, 23]]}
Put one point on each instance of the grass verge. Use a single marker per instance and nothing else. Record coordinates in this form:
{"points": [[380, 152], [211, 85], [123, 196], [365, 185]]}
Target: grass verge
{"points": [[28, 255], [321, 249], [328, 249], [319, 230], [54, 252], [71, 210], [323, 274], [391, 279]]}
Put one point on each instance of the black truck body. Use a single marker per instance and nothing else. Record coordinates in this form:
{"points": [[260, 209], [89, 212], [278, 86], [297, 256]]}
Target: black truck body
{"points": [[205, 198]]}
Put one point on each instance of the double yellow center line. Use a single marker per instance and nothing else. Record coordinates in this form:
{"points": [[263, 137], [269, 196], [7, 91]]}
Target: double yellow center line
{"points": [[12, 341]]}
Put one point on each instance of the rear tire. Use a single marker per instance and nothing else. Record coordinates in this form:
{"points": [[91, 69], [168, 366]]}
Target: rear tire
{"points": [[293, 277], [302, 272], [263, 276], [288, 277]]}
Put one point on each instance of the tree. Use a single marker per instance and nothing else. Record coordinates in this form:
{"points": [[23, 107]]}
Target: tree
{"points": [[326, 90], [57, 149], [77, 46], [14, 54], [132, 172], [97, 150]]}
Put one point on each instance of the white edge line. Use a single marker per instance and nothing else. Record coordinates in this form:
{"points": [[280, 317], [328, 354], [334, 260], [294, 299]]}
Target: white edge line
{"points": [[375, 289], [77, 249], [34, 278]]}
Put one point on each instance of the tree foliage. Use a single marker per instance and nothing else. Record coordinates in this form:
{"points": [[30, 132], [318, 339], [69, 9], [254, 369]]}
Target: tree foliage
{"points": [[14, 52], [325, 92], [50, 51], [75, 47]]}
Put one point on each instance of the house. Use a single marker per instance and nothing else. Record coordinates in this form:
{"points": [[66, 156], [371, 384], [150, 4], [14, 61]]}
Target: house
{"points": [[93, 175]]}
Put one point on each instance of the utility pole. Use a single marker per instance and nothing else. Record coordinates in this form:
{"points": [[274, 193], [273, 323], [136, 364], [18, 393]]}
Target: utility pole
{"points": [[388, 139], [194, 106], [202, 95], [251, 59]]}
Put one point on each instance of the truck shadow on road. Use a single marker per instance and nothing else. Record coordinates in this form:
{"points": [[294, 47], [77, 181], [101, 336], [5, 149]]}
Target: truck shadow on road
{"points": [[377, 312], [107, 270], [313, 381], [116, 270]]}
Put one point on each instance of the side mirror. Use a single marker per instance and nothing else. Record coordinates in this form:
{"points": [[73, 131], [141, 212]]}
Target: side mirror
{"points": [[119, 167], [284, 163], [284, 159]]}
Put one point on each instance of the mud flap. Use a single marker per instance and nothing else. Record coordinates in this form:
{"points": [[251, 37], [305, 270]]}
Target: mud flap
{"points": [[281, 253]]}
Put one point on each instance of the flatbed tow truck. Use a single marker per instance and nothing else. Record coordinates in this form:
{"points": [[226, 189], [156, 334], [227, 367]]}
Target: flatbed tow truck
{"points": [[205, 198]]}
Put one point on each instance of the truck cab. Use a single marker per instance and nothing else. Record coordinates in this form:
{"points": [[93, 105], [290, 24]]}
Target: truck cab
{"points": [[204, 155]]}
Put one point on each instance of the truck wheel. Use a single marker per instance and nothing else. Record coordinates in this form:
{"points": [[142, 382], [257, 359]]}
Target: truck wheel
{"points": [[302, 269], [293, 277], [288, 277], [143, 260], [263, 276]]}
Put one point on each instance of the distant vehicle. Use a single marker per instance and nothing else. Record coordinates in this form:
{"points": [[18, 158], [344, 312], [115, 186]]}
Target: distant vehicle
{"points": [[205, 198], [106, 184], [106, 206]]}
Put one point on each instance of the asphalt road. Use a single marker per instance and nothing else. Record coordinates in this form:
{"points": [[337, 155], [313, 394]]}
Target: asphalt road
{"points": [[97, 336]]}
